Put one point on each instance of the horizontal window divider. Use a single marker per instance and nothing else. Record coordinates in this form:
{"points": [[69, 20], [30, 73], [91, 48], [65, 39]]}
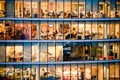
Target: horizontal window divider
{"points": [[64, 19], [64, 62], [100, 40]]}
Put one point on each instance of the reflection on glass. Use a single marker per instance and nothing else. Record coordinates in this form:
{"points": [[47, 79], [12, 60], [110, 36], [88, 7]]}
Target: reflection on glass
{"points": [[95, 9], [102, 9], [18, 72], [74, 9], [43, 52], [94, 51], [10, 52], [26, 72], [106, 72], [117, 14], [112, 71], [2, 52], [100, 72], [88, 8], [10, 72], [112, 8], [117, 71], [66, 72], [27, 52], [100, 51], [74, 31], [35, 52], [117, 30], [19, 52]]}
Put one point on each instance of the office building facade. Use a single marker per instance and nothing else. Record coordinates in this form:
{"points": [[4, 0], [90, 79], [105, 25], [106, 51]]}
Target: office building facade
{"points": [[59, 39]]}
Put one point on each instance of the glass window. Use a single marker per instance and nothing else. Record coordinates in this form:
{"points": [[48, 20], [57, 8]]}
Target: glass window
{"points": [[67, 30], [10, 52], [80, 51], [51, 72], [107, 8], [19, 52], [88, 71], [106, 72], [102, 9], [44, 9], [43, 72], [10, 72], [43, 52], [100, 51], [100, 71], [74, 31], [26, 72], [73, 72], [81, 32], [95, 8], [19, 33], [81, 72], [43, 30], [100, 30], [18, 8], [94, 51], [51, 30], [2, 72], [2, 8], [66, 72], [27, 9], [88, 8], [87, 51], [51, 52], [52, 9], [112, 8], [10, 8], [59, 51], [35, 30], [59, 72], [9, 27], [2, 30], [18, 72], [35, 72], [81, 8], [35, 8], [60, 12], [117, 30], [67, 9], [74, 9], [112, 71], [88, 30], [94, 34], [117, 14], [117, 71], [59, 30], [2, 52], [94, 71], [27, 30], [27, 52], [35, 52]]}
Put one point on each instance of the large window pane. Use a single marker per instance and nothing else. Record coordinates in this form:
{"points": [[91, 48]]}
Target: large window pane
{"points": [[67, 8], [2, 8], [88, 30], [35, 30], [18, 72], [73, 72], [112, 8], [59, 51], [100, 72], [35, 72], [59, 72], [51, 72], [43, 72], [51, 30], [94, 34], [117, 15], [95, 8], [2, 72], [74, 8], [2, 52], [81, 30], [26, 72], [94, 72], [59, 10], [10, 72], [27, 52], [2, 30], [44, 8], [81, 8], [66, 72], [101, 30], [35, 8], [67, 30]]}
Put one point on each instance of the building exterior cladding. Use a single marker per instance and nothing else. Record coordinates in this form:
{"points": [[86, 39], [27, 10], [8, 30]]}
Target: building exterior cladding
{"points": [[59, 39]]}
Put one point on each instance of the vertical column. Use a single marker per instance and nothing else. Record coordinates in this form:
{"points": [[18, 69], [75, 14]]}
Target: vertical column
{"points": [[9, 8]]}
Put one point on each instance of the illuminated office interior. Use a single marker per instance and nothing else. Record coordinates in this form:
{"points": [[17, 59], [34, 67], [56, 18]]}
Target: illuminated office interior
{"points": [[59, 39]]}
